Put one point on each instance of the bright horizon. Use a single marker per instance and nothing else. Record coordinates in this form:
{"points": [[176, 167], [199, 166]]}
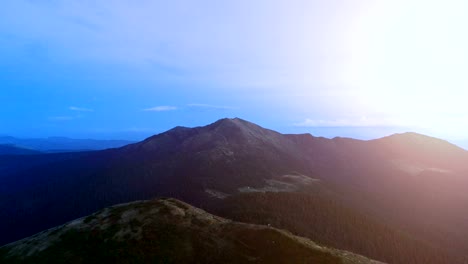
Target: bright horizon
{"points": [[364, 69]]}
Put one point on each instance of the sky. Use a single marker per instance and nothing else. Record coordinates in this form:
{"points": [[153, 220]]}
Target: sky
{"points": [[129, 69]]}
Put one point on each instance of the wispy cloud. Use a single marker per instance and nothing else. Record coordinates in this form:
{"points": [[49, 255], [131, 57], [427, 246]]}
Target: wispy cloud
{"points": [[82, 31], [80, 109], [208, 106], [161, 108]]}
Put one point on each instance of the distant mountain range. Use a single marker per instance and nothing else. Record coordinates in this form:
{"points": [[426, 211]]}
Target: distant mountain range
{"points": [[8, 149], [398, 199], [59, 144], [168, 231]]}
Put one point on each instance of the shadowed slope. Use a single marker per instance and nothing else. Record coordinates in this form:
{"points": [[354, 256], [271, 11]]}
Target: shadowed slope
{"points": [[167, 231], [410, 182]]}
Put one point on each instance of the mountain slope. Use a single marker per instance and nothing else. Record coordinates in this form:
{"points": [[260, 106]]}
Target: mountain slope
{"points": [[332, 224], [167, 231], [225, 155], [423, 194]]}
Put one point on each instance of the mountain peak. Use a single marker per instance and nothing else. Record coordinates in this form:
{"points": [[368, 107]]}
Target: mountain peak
{"points": [[409, 134], [232, 121], [413, 138], [423, 149], [235, 129]]}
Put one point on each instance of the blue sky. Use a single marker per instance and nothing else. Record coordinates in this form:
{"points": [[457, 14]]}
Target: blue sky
{"points": [[129, 69]]}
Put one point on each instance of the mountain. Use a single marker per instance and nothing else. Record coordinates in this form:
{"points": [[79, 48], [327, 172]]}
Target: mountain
{"points": [[168, 231], [331, 223], [406, 187], [8, 149], [63, 144]]}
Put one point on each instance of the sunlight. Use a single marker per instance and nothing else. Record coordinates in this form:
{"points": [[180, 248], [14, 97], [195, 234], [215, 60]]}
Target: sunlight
{"points": [[409, 60]]}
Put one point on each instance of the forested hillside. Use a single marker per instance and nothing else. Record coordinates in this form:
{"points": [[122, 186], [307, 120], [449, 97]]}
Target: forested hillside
{"points": [[329, 222]]}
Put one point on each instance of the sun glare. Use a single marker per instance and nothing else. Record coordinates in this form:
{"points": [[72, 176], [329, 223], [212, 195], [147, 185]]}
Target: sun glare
{"points": [[409, 61]]}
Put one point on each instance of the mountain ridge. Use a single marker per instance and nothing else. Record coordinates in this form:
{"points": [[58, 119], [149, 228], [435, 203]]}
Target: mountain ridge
{"points": [[168, 231], [422, 196], [11, 149], [62, 144]]}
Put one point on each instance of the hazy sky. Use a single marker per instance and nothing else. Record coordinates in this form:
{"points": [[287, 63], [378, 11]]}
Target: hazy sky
{"points": [[128, 69]]}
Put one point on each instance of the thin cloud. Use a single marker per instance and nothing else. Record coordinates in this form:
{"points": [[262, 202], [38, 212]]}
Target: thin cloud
{"points": [[80, 109], [161, 108], [208, 106]]}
